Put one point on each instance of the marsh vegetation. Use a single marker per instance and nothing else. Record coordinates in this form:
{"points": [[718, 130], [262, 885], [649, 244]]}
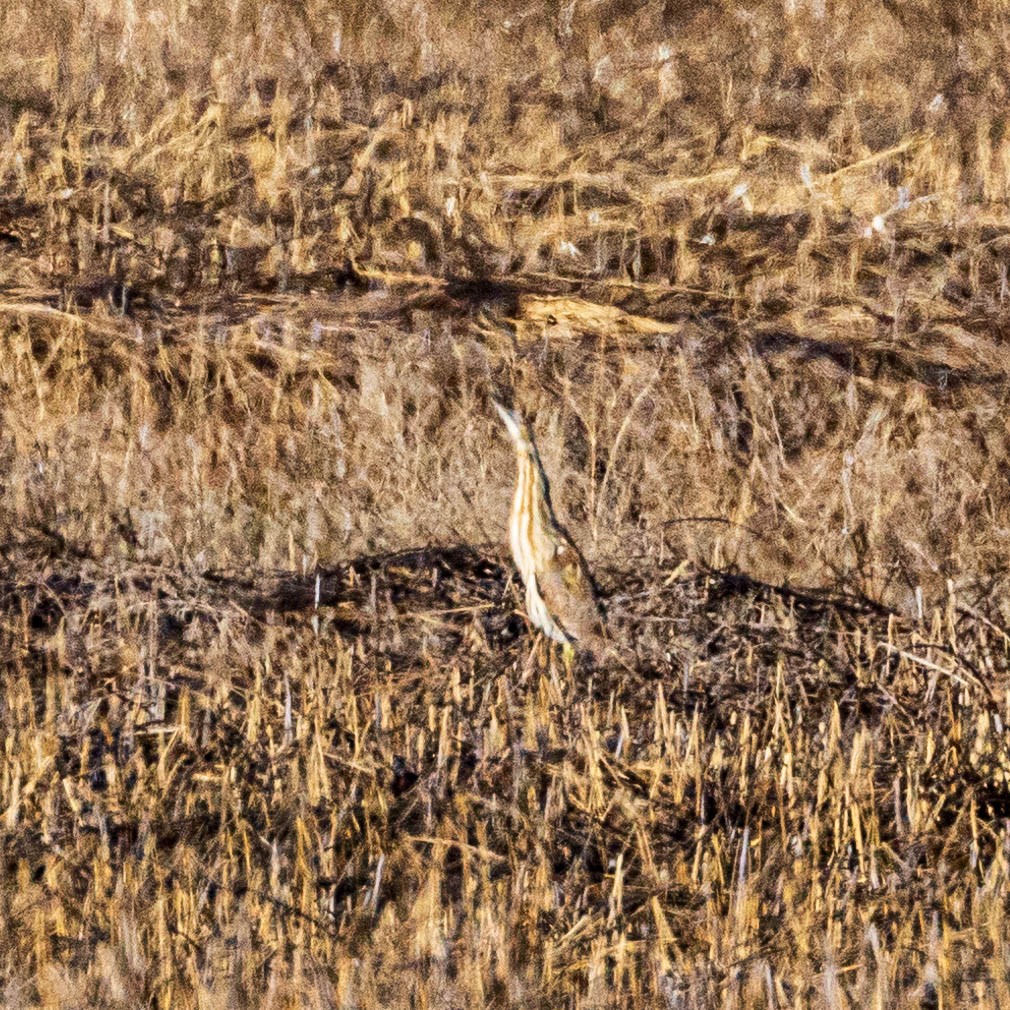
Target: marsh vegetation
{"points": [[276, 730]]}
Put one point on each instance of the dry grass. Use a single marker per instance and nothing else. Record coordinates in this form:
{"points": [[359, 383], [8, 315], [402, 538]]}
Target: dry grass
{"points": [[277, 732]]}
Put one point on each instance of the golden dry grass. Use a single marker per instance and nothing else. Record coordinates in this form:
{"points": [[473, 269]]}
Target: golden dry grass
{"points": [[276, 731]]}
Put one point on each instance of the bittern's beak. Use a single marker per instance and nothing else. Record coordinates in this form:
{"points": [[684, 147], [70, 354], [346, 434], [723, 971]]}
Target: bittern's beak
{"points": [[513, 421]]}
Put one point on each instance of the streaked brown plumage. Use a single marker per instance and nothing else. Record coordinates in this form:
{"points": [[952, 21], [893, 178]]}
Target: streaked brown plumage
{"points": [[560, 597]]}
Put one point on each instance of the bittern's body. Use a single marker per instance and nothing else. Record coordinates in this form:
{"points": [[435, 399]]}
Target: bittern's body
{"points": [[560, 597]]}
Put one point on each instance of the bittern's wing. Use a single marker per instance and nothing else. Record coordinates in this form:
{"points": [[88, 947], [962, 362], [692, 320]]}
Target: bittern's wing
{"points": [[571, 600]]}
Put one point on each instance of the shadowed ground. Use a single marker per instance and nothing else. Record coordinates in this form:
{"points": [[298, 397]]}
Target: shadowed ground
{"points": [[390, 774]]}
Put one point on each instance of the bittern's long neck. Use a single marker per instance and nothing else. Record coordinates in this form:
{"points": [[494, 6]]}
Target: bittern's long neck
{"points": [[532, 519]]}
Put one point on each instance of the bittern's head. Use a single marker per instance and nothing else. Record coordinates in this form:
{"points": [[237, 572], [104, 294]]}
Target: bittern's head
{"points": [[517, 429]]}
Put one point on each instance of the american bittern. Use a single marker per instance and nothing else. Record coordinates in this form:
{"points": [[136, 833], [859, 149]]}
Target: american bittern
{"points": [[560, 597]]}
